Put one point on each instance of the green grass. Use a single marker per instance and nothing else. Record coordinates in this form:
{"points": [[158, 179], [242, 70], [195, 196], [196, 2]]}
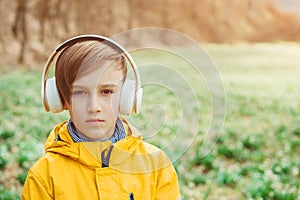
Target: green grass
{"points": [[256, 156]]}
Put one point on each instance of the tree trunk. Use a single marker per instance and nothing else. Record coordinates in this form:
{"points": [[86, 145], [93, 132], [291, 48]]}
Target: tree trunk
{"points": [[20, 26]]}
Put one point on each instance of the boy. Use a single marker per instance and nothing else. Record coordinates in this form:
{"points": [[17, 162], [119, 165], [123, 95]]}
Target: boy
{"points": [[96, 154]]}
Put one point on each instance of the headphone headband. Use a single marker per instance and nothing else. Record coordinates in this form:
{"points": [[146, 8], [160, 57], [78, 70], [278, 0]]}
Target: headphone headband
{"points": [[82, 38]]}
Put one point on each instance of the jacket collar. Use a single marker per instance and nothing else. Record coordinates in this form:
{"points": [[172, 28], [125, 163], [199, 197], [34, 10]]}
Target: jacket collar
{"points": [[89, 153]]}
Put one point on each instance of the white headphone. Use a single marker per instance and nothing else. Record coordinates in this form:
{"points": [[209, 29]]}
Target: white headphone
{"points": [[131, 95]]}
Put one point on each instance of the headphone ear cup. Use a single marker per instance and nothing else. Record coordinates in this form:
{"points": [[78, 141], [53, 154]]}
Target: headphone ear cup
{"points": [[127, 104], [52, 96], [138, 100]]}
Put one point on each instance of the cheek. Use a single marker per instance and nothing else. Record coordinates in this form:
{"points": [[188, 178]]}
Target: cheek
{"points": [[77, 109], [115, 102]]}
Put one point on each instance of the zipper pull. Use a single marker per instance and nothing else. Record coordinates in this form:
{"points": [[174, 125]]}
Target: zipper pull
{"points": [[131, 197]]}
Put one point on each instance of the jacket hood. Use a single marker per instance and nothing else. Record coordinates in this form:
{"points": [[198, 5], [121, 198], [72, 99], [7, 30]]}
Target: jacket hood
{"points": [[124, 155]]}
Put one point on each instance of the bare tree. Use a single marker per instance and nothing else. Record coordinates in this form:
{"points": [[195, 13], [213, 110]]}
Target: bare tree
{"points": [[44, 7], [19, 25]]}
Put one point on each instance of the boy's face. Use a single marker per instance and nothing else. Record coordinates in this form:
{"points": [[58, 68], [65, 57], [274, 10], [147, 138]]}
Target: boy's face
{"points": [[95, 98]]}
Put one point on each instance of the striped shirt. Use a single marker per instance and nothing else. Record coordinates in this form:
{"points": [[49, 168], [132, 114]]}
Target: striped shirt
{"points": [[119, 133]]}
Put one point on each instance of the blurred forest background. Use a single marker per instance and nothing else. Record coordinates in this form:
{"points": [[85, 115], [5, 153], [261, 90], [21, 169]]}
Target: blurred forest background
{"points": [[30, 28], [254, 44]]}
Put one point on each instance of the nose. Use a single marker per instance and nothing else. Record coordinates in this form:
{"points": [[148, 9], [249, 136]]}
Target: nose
{"points": [[94, 104]]}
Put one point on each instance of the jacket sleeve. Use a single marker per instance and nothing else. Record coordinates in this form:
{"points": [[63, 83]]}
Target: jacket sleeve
{"points": [[34, 188], [167, 185]]}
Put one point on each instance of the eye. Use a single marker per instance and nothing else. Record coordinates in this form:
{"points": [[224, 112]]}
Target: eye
{"points": [[106, 91], [79, 92]]}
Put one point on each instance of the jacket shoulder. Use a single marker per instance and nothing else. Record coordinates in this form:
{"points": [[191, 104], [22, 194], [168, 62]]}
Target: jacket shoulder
{"points": [[38, 179], [133, 155]]}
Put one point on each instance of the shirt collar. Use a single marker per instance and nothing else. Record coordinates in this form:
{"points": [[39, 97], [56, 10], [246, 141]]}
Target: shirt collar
{"points": [[119, 133]]}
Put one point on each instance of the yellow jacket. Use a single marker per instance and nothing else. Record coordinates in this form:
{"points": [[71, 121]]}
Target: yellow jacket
{"points": [[129, 169]]}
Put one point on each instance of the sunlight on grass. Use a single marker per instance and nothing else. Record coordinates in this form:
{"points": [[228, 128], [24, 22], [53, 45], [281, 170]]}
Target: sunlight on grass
{"points": [[257, 155]]}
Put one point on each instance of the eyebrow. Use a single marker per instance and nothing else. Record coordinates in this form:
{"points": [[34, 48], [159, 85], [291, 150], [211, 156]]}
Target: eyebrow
{"points": [[108, 85], [99, 86]]}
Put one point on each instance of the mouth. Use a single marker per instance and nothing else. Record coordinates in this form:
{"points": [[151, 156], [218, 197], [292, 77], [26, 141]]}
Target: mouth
{"points": [[93, 121]]}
